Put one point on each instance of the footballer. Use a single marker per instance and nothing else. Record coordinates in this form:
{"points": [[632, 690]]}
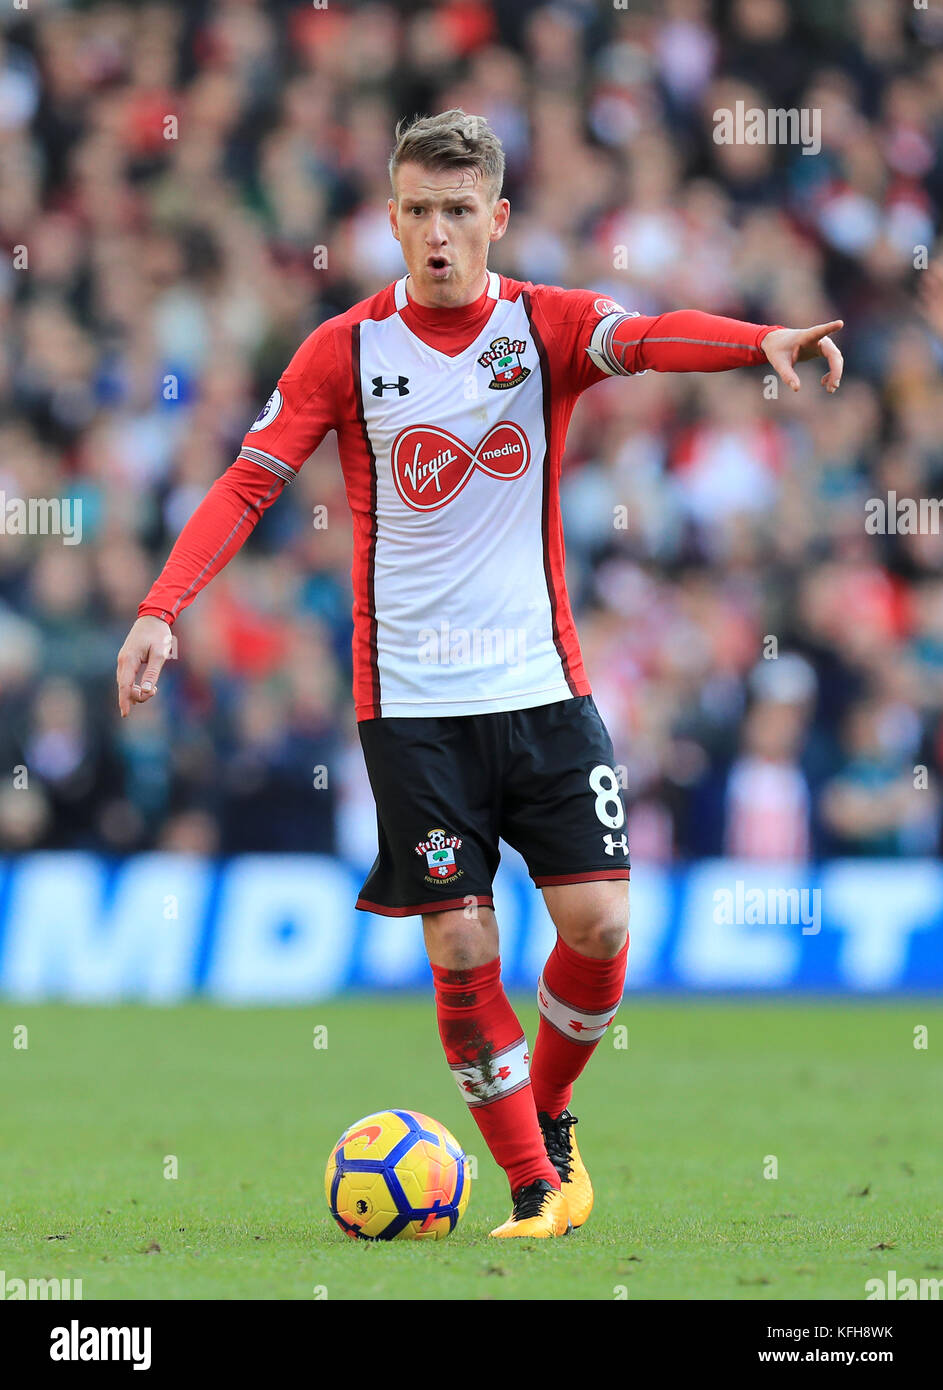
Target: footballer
{"points": [[450, 392]]}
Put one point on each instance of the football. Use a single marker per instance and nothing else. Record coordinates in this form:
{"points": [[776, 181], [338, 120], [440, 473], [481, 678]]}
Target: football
{"points": [[397, 1175]]}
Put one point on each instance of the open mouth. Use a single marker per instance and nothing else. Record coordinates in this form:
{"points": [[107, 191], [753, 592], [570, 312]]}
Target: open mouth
{"points": [[437, 263]]}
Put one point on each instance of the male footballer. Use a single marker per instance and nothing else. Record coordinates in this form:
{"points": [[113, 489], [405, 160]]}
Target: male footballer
{"points": [[451, 391]]}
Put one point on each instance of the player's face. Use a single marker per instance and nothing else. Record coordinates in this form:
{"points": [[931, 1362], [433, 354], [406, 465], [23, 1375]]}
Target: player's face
{"points": [[445, 221]]}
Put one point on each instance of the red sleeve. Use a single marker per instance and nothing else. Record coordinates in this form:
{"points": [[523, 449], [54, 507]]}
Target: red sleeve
{"points": [[567, 320], [591, 337], [684, 340], [301, 409], [291, 425], [223, 520]]}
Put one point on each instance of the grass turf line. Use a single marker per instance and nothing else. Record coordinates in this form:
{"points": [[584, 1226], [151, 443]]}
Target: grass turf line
{"points": [[675, 1129]]}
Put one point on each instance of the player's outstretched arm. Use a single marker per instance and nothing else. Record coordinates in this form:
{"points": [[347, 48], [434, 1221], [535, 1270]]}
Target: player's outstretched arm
{"points": [[784, 347], [146, 648], [689, 340]]}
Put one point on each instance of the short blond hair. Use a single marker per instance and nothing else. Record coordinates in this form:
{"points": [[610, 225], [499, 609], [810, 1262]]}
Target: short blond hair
{"points": [[451, 140]]}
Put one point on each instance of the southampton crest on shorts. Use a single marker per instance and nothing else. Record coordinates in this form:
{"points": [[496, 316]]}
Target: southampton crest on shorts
{"points": [[504, 359], [439, 850]]}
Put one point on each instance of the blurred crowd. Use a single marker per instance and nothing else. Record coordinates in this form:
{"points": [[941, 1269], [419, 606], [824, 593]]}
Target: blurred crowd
{"points": [[770, 669]]}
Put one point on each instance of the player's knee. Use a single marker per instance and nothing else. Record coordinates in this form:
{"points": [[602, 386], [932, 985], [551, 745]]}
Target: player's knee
{"points": [[461, 938], [601, 936]]}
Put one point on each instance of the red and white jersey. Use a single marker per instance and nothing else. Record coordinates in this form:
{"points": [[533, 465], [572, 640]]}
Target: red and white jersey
{"points": [[451, 462], [451, 427]]}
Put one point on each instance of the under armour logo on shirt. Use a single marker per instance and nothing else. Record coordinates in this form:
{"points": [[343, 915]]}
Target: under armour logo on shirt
{"points": [[379, 385]]}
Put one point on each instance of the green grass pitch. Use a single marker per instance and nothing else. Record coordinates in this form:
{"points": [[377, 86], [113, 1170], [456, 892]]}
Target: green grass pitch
{"points": [[676, 1128]]}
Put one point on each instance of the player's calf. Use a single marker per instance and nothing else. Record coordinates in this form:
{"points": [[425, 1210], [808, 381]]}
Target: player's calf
{"points": [[487, 1053], [577, 997]]}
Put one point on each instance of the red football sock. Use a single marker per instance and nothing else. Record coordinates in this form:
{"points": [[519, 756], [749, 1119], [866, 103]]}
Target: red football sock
{"points": [[577, 997], [487, 1051]]}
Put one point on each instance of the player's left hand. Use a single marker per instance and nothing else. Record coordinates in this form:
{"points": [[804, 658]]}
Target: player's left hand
{"points": [[784, 347]]}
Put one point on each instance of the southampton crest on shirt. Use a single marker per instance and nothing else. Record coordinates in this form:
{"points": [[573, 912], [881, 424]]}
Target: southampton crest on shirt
{"points": [[504, 359], [439, 849]]}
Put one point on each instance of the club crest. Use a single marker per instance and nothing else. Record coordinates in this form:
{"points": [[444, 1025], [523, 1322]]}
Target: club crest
{"points": [[439, 850], [504, 359]]}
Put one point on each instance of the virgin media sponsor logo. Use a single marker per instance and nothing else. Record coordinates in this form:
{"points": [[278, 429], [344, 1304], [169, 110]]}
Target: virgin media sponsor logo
{"points": [[431, 466]]}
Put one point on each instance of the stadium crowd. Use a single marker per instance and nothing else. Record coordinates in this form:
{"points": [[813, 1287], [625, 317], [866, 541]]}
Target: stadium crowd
{"points": [[771, 669]]}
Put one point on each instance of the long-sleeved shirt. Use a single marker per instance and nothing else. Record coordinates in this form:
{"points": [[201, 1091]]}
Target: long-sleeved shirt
{"points": [[451, 426]]}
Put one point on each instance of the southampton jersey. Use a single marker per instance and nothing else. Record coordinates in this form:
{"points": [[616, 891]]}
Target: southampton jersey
{"points": [[450, 427]]}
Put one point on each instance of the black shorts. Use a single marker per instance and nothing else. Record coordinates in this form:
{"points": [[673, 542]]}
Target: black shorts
{"points": [[448, 787]]}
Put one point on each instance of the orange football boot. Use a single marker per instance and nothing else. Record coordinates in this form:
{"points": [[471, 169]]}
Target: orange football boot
{"points": [[560, 1143], [539, 1210]]}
